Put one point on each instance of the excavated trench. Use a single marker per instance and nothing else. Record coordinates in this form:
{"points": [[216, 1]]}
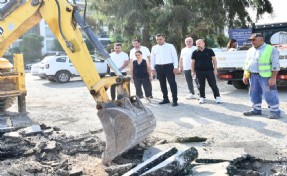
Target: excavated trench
{"points": [[250, 166], [53, 152]]}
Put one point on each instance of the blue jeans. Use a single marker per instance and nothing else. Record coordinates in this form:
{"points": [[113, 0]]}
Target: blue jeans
{"points": [[259, 87]]}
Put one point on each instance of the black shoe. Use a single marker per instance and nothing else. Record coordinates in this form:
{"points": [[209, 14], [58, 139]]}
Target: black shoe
{"points": [[174, 104], [274, 116], [151, 96], [164, 102], [252, 113]]}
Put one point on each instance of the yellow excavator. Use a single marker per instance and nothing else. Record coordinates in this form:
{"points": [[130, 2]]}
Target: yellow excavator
{"points": [[126, 121]]}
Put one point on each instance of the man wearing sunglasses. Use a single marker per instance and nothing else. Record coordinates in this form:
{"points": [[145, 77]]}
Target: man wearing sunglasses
{"points": [[260, 71]]}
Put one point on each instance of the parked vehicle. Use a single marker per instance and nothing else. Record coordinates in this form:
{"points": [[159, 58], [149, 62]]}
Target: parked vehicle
{"points": [[61, 69], [28, 66], [230, 64], [35, 68]]}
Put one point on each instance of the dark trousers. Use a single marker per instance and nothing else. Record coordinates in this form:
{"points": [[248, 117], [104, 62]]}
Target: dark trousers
{"points": [[210, 77], [113, 87], [189, 80], [145, 82], [165, 72]]}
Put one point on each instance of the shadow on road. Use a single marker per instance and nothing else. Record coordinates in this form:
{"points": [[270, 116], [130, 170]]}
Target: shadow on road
{"points": [[202, 116]]}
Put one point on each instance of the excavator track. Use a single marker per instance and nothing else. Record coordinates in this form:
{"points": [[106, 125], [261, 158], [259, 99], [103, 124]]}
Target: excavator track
{"points": [[6, 101]]}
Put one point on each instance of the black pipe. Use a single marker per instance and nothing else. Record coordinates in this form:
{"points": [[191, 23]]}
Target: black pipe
{"points": [[90, 34]]}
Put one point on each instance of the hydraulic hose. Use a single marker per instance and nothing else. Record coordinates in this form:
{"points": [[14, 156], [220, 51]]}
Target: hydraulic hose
{"points": [[68, 44]]}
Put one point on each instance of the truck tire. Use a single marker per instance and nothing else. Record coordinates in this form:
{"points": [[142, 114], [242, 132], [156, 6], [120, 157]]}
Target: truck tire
{"points": [[239, 85], [62, 76]]}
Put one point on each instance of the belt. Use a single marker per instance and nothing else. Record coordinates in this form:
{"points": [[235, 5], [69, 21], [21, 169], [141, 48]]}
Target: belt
{"points": [[255, 73], [164, 64]]}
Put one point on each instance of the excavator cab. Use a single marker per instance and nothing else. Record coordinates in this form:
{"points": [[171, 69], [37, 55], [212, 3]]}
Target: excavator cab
{"points": [[126, 121]]}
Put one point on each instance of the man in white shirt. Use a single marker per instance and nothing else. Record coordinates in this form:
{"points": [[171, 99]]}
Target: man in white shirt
{"points": [[137, 47], [164, 63], [121, 60], [185, 65], [145, 54]]}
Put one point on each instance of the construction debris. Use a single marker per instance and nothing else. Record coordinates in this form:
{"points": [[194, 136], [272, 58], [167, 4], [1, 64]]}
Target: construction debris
{"points": [[169, 162], [43, 150]]}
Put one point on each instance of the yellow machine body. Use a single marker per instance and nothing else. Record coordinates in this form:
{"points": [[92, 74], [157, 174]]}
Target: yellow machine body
{"points": [[20, 16]]}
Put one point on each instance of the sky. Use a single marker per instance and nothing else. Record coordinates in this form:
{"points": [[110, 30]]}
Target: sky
{"points": [[280, 13]]}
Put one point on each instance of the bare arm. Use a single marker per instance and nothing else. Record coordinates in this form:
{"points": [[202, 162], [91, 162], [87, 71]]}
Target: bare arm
{"points": [[149, 69], [272, 80], [192, 67], [148, 58], [180, 64], [126, 63], [131, 70], [152, 61], [214, 61]]}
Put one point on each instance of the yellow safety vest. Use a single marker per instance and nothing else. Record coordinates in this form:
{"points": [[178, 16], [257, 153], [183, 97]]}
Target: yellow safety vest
{"points": [[265, 67]]}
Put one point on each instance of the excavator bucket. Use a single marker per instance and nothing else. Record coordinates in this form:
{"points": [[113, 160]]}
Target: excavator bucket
{"points": [[125, 126]]}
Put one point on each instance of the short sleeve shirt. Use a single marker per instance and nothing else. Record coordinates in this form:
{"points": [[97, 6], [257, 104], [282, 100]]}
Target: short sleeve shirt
{"points": [[203, 59], [186, 57], [143, 49], [119, 59]]}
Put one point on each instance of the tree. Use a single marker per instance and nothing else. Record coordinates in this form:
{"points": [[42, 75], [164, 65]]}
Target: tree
{"points": [[31, 46], [175, 19], [14, 50], [57, 46]]}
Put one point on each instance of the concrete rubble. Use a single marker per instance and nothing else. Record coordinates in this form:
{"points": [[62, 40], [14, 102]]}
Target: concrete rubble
{"points": [[34, 149], [175, 164], [152, 162], [28, 151]]}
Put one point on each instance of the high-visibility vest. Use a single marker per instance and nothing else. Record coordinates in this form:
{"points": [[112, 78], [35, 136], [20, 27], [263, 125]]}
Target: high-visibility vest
{"points": [[264, 62]]}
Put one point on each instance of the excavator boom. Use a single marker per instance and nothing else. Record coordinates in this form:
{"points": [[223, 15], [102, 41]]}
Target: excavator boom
{"points": [[126, 121]]}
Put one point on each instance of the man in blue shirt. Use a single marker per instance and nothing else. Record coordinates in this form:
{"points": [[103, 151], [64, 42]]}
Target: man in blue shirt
{"points": [[261, 69]]}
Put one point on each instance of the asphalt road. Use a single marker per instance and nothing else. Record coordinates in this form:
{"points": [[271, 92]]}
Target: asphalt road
{"points": [[70, 107]]}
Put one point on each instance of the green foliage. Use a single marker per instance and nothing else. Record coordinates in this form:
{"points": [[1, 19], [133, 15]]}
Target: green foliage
{"points": [[57, 46], [31, 46], [222, 40], [176, 19], [210, 42], [14, 50]]}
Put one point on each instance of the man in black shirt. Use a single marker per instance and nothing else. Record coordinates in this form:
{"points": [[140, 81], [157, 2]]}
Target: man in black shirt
{"points": [[204, 67]]}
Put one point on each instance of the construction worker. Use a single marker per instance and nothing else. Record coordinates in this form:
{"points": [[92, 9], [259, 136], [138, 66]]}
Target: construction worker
{"points": [[261, 69]]}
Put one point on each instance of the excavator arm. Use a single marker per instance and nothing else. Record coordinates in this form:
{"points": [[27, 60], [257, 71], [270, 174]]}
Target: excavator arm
{"points": [[126, 121]]}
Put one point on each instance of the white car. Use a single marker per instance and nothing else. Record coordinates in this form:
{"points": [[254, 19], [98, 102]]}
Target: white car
{"points": [[61, 69], [35, 68]]}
